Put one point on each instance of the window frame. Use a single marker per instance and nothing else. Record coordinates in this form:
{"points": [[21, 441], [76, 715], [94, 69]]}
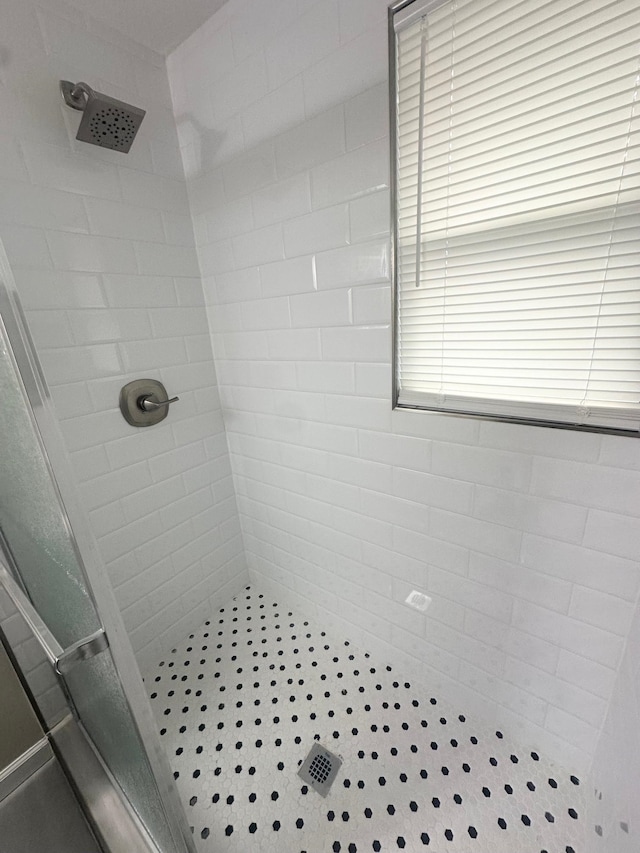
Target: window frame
{"points": [[422, 6]]}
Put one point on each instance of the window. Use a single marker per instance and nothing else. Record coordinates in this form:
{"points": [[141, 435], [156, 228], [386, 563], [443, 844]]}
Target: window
{"points": [[517, 191]]}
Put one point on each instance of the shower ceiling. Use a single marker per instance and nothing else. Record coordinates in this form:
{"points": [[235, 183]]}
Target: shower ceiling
{"points": [[158, 24]]}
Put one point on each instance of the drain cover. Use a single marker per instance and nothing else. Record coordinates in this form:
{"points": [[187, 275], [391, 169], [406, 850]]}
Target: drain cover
{"points": [[320, 768]]}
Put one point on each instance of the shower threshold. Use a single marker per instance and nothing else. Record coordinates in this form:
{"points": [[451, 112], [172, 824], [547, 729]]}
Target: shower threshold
{"points": [[241, 700]]}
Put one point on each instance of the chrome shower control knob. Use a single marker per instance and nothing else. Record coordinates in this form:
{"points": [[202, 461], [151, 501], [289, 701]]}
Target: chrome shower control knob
{"points": [[148, 404], [145, 402]]}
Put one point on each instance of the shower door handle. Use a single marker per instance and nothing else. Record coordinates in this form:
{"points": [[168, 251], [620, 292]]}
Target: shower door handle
{"points": [[62, 660], [84, 649]]}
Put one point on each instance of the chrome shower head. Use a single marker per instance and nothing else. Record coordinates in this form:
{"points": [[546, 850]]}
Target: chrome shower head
{"points": [[105, 121]]}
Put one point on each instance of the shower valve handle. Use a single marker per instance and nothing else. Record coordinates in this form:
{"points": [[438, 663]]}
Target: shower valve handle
{"points": [[148, 405]]}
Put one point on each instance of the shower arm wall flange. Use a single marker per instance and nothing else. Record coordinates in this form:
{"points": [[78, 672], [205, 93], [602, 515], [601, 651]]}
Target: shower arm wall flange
{"points": [[75, 95]]}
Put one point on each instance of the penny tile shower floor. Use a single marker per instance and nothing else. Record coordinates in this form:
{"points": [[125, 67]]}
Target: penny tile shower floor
{"points": [[241, 701]]}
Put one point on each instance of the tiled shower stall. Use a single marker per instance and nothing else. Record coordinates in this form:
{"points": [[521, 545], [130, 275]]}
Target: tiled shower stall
{"points": [[240, 253]]}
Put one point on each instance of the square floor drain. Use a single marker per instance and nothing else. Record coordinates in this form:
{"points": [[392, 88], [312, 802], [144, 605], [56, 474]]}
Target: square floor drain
{"points": [[320, 768]]}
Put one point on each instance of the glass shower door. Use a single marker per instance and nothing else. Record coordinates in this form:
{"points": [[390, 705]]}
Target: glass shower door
{"points": [[70, 595]]}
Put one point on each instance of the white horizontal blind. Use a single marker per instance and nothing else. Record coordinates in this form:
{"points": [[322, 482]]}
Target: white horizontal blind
{"points": [[518, 206]]}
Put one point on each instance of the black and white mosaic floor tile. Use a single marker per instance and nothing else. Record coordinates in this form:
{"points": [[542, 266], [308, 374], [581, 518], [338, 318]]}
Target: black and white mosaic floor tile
{"points": [[241, 702]]}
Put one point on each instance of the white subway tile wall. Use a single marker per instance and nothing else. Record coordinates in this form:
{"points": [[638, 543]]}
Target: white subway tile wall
{"points": [[527, 539], [102, 249], [616, 766]]}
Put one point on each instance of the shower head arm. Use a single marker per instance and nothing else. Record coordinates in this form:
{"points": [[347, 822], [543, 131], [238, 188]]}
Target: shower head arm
{"points": [[76, 96]]}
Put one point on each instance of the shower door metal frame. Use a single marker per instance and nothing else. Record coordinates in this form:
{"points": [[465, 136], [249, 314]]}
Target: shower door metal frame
{"points": [[14, 327]]}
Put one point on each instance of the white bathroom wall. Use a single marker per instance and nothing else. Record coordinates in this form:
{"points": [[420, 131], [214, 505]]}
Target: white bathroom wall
{"points": [[526, 538], [101, 245], [616, 765]]}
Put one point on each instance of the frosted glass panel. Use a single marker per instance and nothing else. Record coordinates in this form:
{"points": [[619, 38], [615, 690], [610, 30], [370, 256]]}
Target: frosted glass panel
{"points": [[32, 523], [33, 663], [36, 535], [104, 711]]}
